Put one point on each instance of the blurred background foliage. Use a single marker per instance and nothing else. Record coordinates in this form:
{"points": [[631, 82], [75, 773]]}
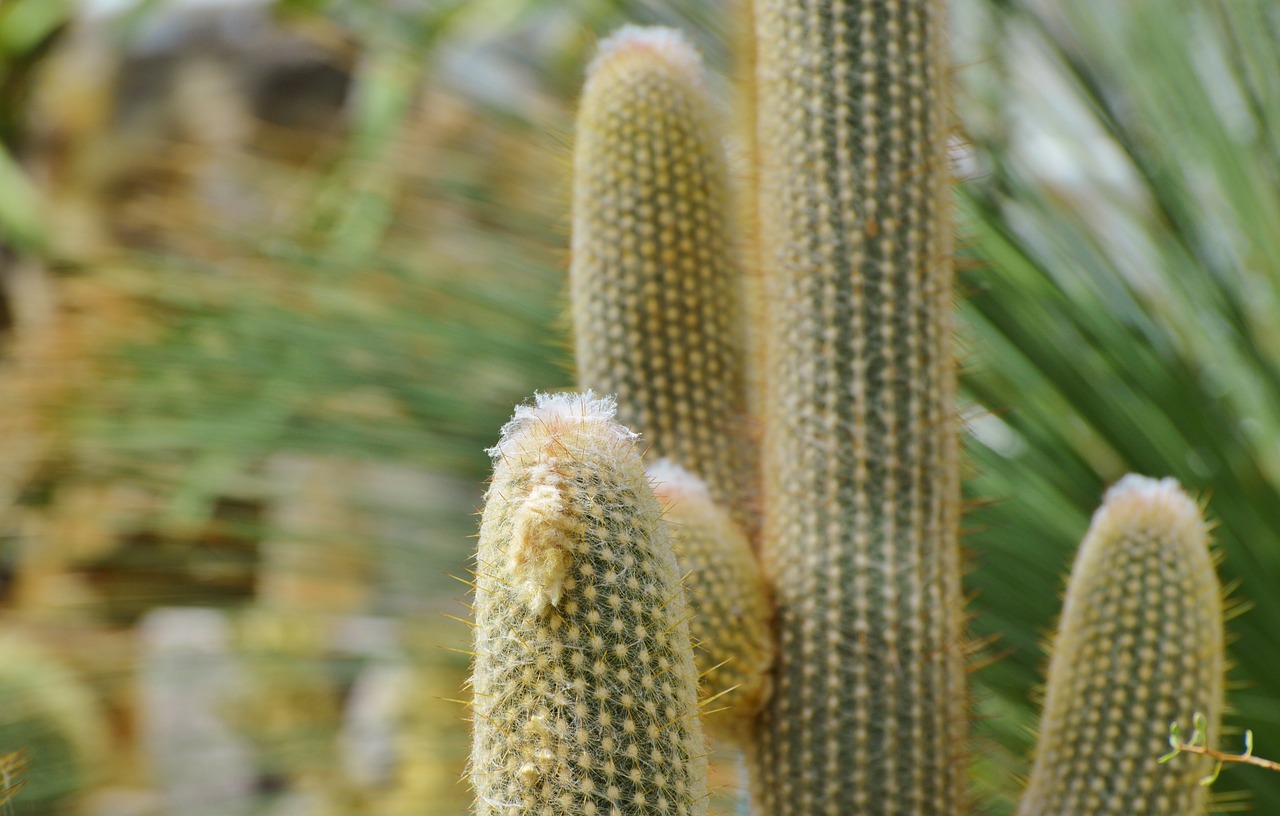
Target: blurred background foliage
{"points": [[275, 273]]}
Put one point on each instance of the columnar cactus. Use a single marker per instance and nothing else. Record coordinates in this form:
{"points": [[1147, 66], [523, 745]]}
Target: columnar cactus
{"points": [[585, 686], [1139, 647], [861, 496], [864, 709], [656, 283], [658, 312]]}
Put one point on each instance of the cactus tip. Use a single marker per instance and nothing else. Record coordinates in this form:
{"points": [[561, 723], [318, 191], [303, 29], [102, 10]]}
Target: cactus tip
{"points": [[1141, 502], [671, 481], [652, 42], [552, 412], [545, 527], [1135, 485]]}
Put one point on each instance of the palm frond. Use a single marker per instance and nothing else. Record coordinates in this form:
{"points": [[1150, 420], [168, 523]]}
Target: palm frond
{"points": [[1126, 233]]}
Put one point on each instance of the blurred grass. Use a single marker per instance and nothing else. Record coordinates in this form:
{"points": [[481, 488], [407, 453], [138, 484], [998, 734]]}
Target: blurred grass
{"points": [[385, 290]]}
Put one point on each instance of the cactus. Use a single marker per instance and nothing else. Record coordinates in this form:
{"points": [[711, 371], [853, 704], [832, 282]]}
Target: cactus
{"points": [[657, 294], [861, 496], [1140, 646], [657, 288], [585, 687], [55, 726], [864, 710], [730, 602]]}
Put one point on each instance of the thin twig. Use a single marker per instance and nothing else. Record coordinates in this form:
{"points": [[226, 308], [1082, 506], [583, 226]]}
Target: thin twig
{"points": [[1199, 744]]}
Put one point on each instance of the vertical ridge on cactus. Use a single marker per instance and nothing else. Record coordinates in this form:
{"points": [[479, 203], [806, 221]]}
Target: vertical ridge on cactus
{"points": [[585, 687], [732, 612], [656, 279], [1140, 646], [860, 465]]}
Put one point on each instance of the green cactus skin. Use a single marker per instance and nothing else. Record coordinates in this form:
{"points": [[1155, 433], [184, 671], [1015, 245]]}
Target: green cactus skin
{"points": [[732, 612], [861, 497], [585, 687], [1140, 646], [656, 278]]}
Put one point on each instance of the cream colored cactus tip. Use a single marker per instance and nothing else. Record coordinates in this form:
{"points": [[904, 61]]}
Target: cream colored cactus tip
{"points": [[668, 45], [1152, 504], [545, 528], [555, 410]]}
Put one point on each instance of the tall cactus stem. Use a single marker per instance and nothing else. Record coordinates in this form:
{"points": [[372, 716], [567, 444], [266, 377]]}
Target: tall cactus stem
{"points": [[584, 680], [656, 276], [860, 541], [1139, 646]]}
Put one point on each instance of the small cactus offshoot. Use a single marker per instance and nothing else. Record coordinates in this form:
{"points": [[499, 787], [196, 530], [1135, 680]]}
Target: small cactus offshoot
{"points": [[1140, 645], [732, 614]]}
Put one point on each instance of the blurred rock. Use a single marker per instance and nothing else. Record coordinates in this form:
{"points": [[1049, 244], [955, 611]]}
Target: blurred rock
{"points": [[187, 674]]}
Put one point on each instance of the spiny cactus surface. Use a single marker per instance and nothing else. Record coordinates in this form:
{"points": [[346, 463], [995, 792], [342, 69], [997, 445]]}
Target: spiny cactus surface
{"points": [[860, 477], [656, 278], [584, 680], [1140, 646], [732, 614]]}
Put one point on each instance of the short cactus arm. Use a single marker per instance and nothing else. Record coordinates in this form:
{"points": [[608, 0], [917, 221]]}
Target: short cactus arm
{"points": [[656, 279], [1140, 646], [585, 686], [732, 622], [861, 505]]}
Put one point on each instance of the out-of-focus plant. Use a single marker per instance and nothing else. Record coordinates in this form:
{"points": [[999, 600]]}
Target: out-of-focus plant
{"points": [[28, 30]]}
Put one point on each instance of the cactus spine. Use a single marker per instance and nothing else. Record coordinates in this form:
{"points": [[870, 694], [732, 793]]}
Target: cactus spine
{"points": [[732, 611], [1140, 645], [860, 472], [585, 687], [656, 282]]}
